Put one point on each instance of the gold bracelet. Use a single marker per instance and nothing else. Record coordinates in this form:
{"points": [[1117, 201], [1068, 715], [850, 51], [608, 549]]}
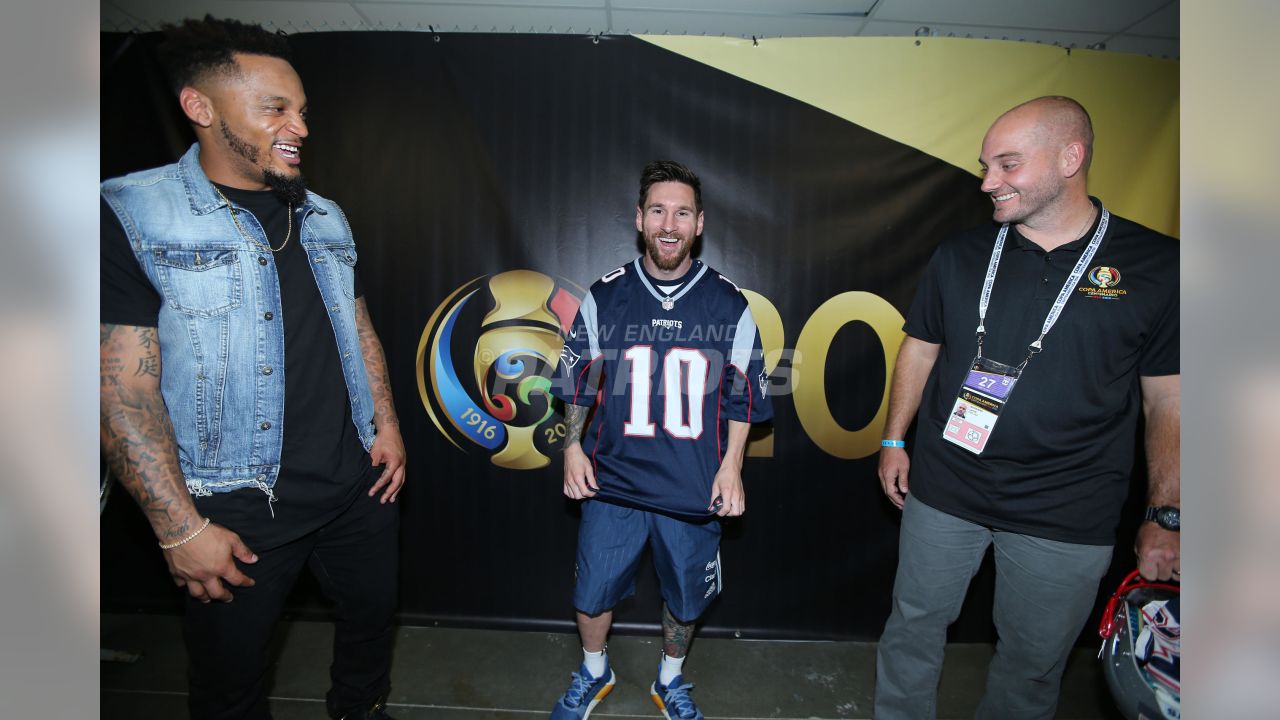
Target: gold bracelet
{"points": [[186, 539]]}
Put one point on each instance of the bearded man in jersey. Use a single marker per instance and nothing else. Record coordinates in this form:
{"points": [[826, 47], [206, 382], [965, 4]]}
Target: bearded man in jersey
{"points": [[668, 352]]}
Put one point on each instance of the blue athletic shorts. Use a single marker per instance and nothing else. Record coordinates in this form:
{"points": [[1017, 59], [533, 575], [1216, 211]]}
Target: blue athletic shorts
{"points": [[611, 539]]}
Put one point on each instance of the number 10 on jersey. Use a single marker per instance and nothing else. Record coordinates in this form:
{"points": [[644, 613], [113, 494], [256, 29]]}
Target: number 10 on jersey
{"points": [[684, 379]]}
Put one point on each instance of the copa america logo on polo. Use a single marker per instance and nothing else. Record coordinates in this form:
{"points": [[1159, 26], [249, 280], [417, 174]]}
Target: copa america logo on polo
{"points": [[485, 363]]}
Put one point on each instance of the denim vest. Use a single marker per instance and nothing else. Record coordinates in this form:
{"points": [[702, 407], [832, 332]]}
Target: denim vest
{"points": [[221, 334]]}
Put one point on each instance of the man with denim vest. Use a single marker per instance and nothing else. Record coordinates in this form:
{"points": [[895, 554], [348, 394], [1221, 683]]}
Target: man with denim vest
{"points": [[244, 393]]}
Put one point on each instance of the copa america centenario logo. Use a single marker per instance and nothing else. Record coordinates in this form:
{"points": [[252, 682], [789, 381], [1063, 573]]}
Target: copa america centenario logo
{"points": [[1105, 276], [485, 362]]}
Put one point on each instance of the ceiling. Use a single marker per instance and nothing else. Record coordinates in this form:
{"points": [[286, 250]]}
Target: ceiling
{"points": [[1146, 27]]}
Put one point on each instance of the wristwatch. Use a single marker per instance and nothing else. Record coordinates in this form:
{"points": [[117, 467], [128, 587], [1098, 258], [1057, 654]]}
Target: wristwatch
{"points": [[1166, 516]]}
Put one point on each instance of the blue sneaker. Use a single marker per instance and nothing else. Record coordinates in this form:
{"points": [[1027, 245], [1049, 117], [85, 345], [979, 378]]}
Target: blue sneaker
{"points": [[674, 701], [584, 693]]}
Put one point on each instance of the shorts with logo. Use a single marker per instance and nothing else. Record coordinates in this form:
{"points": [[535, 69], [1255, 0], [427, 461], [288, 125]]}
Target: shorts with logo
{"points": [[611, 539]]}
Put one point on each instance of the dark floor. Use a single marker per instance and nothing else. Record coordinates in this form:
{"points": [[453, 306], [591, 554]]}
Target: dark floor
{"points": [[477, 674]]}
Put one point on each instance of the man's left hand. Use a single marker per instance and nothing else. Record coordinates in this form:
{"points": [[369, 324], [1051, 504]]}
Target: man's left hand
{"points": [[388, 451], [1159, 553], [728, 487]]}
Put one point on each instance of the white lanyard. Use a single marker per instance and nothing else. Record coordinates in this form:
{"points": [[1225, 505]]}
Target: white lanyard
{"points": [[1063, 295]]}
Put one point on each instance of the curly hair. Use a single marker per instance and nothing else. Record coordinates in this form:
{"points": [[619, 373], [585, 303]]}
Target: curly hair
{"points": [[198, 49], [669, 171]]}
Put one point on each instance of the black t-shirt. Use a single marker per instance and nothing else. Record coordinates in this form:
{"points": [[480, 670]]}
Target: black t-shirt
{"points": [[1058, 462], [323, 466]]}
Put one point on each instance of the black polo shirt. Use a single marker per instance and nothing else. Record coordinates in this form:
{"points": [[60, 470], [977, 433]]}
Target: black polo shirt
{"points": [[1059, 460]]}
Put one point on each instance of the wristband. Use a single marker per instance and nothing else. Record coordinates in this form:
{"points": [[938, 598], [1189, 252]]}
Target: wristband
{"points": [[893, 443], [186, 539]]}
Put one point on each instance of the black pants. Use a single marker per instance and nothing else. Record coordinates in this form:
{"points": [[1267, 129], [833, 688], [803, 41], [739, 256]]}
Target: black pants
{"points": [[355, 559]]}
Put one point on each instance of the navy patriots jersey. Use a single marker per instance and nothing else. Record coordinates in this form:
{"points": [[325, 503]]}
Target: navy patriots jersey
{"points": [[667, 373]]}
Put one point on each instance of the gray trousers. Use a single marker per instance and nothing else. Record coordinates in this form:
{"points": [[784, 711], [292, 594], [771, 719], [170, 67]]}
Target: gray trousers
{"points": [[1044, 592]]}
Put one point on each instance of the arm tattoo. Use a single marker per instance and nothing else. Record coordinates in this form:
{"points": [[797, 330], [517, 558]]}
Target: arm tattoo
{"points": [[676, 635], [375, 365], [149, 365], [575, 418], [135, 430]]}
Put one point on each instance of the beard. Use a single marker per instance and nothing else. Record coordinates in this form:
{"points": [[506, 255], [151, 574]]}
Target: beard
{"points": [[1033, 200], [664, 263], [238, 145], [290, 189]]}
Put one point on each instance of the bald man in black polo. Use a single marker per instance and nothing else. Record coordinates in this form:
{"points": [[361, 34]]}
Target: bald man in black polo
{"points": [[1053, 359]]}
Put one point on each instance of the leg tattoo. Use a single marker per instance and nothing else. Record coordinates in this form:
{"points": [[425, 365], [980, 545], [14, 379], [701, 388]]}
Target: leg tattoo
{"points": [[676, 635]]}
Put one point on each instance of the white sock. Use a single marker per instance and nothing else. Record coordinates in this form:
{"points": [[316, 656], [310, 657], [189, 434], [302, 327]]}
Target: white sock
{"points": [[670, 669], [595, 661]]}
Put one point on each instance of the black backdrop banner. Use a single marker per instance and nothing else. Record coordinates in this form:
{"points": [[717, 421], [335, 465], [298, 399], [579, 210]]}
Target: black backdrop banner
{"points": [[480, 171]]}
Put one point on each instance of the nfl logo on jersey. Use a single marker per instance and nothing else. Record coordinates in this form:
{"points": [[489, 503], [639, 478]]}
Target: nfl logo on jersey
{"points": [[568, 358]]}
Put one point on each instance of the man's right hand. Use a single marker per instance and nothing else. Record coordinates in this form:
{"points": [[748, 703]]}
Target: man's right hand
{"points": [[579, 478], [202, 565], [894, 465]]}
